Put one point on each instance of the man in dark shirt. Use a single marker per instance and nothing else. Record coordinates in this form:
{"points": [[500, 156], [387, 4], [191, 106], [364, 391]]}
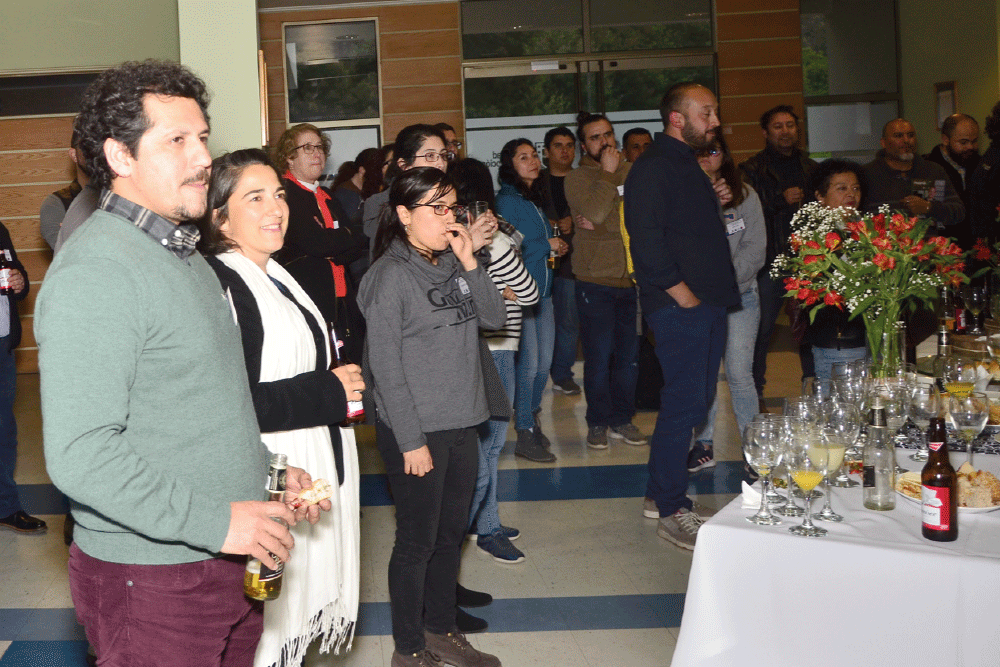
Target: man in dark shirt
{"points": [[958, 155], [984, 183], [779, 174], [686, 281], [635, 142], [560, 151]]}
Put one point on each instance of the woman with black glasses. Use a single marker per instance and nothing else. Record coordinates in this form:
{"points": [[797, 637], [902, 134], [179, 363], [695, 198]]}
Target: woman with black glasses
{"points": [[320, 243], [425, 298]]}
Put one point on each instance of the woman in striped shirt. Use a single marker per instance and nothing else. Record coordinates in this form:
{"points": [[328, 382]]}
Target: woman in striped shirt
{"points": [[518, 288]]}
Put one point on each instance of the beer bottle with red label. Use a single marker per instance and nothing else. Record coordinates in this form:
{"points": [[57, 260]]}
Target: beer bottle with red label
{"points": [[338, 358], [939, 488], [6, 269]]}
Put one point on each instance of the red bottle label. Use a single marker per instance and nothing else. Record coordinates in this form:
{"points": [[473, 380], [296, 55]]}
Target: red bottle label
{"points": [[935, 507], [934, 446]]}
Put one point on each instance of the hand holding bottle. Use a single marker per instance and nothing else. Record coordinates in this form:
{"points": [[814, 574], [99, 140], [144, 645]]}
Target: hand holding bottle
{"points": [[253, 531]]}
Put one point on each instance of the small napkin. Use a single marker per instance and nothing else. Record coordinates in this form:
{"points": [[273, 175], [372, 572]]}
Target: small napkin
{"points": [[751, 497], [983, 378]]}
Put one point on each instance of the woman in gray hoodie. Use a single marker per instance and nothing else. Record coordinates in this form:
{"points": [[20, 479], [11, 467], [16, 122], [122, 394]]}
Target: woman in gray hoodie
{"points": [[425, 298]]}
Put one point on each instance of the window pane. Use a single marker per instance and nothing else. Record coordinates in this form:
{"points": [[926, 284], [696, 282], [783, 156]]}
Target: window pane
{"points": [[332, 71], [848, 130], [43, 94], [505, 96], [848, 47], [650, 24], [640, 90], [504, 28]]}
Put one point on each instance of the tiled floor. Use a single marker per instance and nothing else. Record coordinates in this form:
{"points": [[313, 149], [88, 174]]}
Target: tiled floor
{"points": [[598, 586]]}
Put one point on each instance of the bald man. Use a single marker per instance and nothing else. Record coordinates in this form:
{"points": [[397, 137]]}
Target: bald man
{"points": [[905, 181]]}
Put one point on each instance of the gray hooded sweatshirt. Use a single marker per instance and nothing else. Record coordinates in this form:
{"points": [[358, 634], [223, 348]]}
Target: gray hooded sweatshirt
{"points": [[423, 341]]}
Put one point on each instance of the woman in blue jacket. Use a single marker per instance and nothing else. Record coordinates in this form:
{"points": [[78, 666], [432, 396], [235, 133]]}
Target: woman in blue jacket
{"points": [[519, 202]]}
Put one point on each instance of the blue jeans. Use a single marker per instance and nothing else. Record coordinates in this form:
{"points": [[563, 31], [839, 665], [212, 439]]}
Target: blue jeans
{"points": [[534, 358], [9, 501], [741, 333], [567, 328], [689, 344], [825, 357], [772, 293], [610, 352], [485, 513]]}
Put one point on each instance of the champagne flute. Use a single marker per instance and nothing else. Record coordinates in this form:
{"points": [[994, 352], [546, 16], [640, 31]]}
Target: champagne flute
{"points": [[925, 403], [974, 297], [845, 419], [762, 448], [835, 444], [968, 416], [807, 458]]}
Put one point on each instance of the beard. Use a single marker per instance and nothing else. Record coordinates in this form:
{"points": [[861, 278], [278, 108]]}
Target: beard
{"points": [[696, 139], [968, 159]]}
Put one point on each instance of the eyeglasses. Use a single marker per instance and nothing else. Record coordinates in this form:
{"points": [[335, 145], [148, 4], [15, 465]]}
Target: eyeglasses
{"points": [[454, 145], [711, 152], [432, 157], [309, 149], [443, 209]]}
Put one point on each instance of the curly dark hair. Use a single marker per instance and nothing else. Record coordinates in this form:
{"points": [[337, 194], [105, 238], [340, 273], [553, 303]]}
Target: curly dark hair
{"points": [[113, 108], [227, 170], [819, 180], [507, 173], [473, 182]]}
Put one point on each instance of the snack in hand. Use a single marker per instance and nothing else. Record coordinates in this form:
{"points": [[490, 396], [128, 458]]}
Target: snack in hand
{"points": [[320, 491]]}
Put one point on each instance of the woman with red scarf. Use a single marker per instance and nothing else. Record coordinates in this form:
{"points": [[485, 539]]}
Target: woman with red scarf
{"points": [[320, 243]]}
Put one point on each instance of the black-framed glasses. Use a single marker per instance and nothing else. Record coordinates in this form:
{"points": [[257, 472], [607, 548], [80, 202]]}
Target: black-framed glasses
{"points": [[309, 149], [443, 209], [710, 152], [454, 145], [432, 157]]}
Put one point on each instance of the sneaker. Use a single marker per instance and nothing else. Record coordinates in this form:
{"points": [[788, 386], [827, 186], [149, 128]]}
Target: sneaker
{"points": [[700, 457], [511, 533], [498, 546], [680, 528], [23, 523], [422, 659], [649, 509], [527, 447], [566, 386], [539, 436], [597, 437], [454, 649], [703, 511], [629, 433], [468, 624]]}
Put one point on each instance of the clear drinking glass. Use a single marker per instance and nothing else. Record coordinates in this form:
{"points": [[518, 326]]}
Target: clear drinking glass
{"points": [[845, 419], [974, 297], [774, 499], [835, 444], [807, 457], [791, 430], [968, 416], [925, 402], [762, 446]]}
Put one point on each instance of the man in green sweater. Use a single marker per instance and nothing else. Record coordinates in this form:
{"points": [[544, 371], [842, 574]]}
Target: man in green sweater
{"points": [[148, 422]]}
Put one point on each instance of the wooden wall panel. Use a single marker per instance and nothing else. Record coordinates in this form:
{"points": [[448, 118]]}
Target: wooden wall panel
{"points": [[404, 18], [427, 71], [36, 167], [420, 99], [26, 360], [35, 133], [25, 233], [24, 199], [759, 26], [426, 44], [743, 55], [754, 6]]}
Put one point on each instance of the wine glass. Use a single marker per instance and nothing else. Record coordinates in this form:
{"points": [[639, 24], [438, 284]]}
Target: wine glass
{"points": [[968, 416], [845, 419], [791, 430], [835, 442], [925, 402], [762, 448], [959, 375], [804, 408], [993, 342], [807, 457], [974, 297], [774, 499]]}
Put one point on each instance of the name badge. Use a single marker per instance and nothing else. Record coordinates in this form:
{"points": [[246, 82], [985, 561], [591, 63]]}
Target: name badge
{"points": [[621, 190], [733, 226]]}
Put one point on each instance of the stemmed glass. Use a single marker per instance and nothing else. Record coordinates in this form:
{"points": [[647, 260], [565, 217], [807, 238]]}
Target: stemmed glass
{"points": [[836, 444], [774, 499], [968, 416], [762, 446], [805, 409], [807, 457], [791, 430], [925, 402], [974, 297], [845, 420], [959, 375]]}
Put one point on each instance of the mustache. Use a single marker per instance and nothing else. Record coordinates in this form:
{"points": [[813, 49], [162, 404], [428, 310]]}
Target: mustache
{"points": [[200, 177]]}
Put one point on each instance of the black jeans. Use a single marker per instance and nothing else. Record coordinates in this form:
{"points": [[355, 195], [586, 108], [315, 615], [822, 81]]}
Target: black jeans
{"points": [[432, 514]]}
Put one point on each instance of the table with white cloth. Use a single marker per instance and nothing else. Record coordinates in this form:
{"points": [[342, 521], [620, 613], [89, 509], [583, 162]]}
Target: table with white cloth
{"points": [[873, 592]]}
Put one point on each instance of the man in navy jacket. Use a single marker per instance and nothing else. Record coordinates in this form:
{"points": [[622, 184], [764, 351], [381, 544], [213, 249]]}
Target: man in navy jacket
{"points": [[686, 281]]}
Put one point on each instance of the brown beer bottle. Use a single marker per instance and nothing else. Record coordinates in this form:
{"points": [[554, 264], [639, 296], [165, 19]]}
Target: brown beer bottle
{"points": [[939, 488], [355, 409], [6, 268], [259, 581]]}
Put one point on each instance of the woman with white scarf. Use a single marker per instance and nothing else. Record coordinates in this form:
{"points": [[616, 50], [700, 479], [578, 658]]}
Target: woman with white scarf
{"points": [[297, 400]]}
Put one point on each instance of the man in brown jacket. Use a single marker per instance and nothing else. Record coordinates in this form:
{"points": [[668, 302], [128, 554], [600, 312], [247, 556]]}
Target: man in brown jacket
{"points": [[605, 293]]}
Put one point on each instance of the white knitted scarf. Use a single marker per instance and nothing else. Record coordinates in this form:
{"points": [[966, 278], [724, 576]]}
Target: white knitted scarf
{"points": [[319, 596]]}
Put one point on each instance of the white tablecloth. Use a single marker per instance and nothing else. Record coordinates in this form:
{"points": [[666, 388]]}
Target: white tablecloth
{"points": [[873, 592]]}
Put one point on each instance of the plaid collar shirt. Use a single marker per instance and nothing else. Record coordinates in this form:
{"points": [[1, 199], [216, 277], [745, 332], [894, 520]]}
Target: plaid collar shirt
{"points": [[178, 239]]}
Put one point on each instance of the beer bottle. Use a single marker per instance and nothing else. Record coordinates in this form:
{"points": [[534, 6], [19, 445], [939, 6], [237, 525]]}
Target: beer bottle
{"points": [[961, 316], [259, 581], [6, 267], [355, 409], [939, 488], [553, 261]]}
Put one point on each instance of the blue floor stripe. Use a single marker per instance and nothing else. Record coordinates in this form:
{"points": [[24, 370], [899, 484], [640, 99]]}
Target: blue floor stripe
{"points": [[39, 625], [573, 483], [45, 654]]}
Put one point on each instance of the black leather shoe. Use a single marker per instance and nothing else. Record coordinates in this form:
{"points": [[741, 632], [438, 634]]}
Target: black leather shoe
{"points": [[467, 598], [23, 523], [468, 624]]}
